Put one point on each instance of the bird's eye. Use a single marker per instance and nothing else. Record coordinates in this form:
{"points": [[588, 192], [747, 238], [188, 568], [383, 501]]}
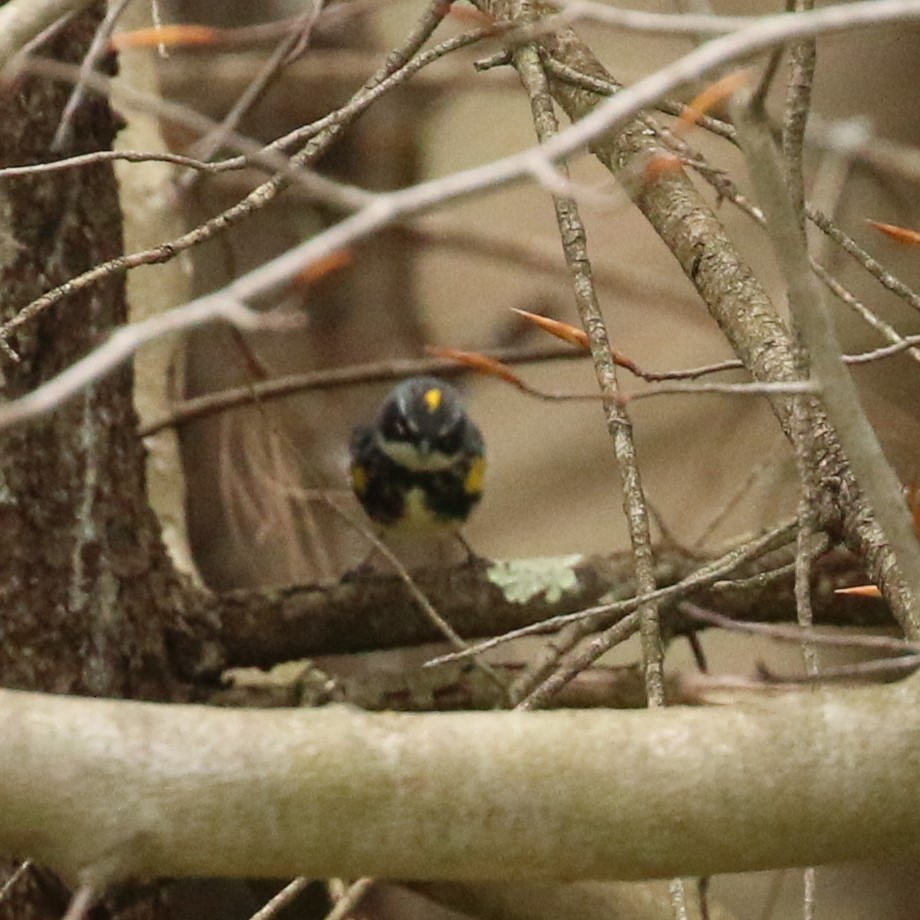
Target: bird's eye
{"points": [[451, 439]]}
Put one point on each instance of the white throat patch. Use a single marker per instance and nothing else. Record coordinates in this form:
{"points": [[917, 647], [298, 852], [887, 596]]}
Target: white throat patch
{"points": [[406, 455]]}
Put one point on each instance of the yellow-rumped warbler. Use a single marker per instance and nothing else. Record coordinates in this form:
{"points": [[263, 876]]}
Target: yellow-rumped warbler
{"points": [[421, 463]]}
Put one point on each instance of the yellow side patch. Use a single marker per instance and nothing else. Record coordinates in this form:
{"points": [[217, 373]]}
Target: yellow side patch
{"points": [[475, 478], [433, 399], [359, 479]]}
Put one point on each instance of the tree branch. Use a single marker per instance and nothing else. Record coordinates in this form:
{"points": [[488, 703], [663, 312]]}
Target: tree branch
{"points": [[23, 20], [391, 207], [733, 295], [264, 627], [105, 790]]}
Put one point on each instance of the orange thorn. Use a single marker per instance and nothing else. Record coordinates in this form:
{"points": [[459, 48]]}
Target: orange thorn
{"points": [[901, 234], [165, 35], [478, 362], [564, 331], [860, 591], [711, 96]]}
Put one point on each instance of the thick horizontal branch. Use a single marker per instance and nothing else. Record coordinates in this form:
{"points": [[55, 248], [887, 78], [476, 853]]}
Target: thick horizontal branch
{"points": [[376, 611], [366, 613], [101, 790]]}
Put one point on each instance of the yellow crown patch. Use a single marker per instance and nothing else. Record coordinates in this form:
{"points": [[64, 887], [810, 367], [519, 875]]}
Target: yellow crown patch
{"points": [[433, 399]]}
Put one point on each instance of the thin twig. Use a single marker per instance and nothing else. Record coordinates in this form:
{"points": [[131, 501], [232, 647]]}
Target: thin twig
{"points": [[797, 634], [10, 883], [256, 88], [904, 343], [333, 378], [693, 24], [97, 49], [787, 387], [574, 244], [346, 904], [898, 344], [322, 134], [581, 661], [706, 575], [447, 631], [282, 899], [761, 579], [23, 20], [839, 396], [728, 504], [105, 156], [546, 662], [885, 278]]}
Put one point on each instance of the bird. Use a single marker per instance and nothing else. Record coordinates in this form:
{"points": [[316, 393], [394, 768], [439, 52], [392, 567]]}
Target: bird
{"points": [[419, 467]]}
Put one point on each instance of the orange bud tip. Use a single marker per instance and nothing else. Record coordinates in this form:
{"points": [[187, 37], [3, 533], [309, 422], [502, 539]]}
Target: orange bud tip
{"points": [[899, 234], [564, 331], [477, 362], [713, 95], [170, 36], [860, 591]]}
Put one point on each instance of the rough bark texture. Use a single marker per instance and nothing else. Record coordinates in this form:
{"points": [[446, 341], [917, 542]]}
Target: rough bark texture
{"points": [[85, 577], [90, 603], [86, 584], [264, 627]]}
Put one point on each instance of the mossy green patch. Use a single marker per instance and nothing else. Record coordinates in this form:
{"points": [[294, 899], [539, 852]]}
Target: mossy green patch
{"points": [[521, 580]]}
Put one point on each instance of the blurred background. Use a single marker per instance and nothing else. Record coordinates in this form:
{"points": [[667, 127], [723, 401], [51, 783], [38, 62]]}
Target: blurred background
{"points": [[261, 481]]}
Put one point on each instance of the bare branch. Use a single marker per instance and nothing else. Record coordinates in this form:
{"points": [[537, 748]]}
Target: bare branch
{"points": [[286, 896], [574, 245], [838, 392], [332, 378], [23, 20], [388, 208], [260, 775], [125, 342]]}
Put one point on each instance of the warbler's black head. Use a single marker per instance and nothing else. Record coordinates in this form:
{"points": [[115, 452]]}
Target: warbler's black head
{"points": [[421, 462], [422, 424]]}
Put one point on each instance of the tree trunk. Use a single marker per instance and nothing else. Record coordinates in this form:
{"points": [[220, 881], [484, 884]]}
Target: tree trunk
{"points": [[86, 576]]}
